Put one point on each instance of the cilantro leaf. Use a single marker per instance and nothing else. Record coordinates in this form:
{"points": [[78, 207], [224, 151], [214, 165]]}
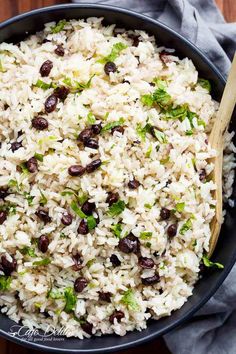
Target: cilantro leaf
{"points": [[29, 198], [161, 137], [91, 118], [42, 262], [70, 299], [145, 235], [2, 70], [77, 210], [55, 294], [185, 227], [142, 131], [76, 86], [117, 230], [149, 151], [43, 200], [91, 221], [162, 98], [115, 52], [111, 125], [28, 251], [209, 263], [180, 207], [43, 85], [205, 84], [59, 26], [129, 300], [5, 282], [165, 160], [117, 208], [39, 157], [147, 100]]}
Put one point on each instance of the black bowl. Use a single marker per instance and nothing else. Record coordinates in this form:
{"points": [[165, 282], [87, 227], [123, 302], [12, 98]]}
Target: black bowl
{"points": [[16, 29]]}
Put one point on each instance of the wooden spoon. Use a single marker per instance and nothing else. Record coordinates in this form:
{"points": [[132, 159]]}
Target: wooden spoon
{"points": [[216, 140]]}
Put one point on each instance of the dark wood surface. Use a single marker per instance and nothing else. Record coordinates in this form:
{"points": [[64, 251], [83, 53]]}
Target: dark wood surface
{"points": [[9, 8]]}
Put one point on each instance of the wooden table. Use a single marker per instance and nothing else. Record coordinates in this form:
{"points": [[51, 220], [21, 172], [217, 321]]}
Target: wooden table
{"points": [[9, 8]]}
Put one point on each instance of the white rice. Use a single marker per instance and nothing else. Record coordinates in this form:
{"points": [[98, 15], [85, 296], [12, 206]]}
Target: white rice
{"points": [[168, 176]]}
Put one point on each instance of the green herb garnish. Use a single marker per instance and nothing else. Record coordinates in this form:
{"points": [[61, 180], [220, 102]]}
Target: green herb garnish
{"points": [[55, 294], [111, 125], [180, 207], [129, 300], [42, 262], [185, 227], [145, 235], [39, 157], [205, 84], [5, 283], [208, 263], [161, 137], [117, 230], [76, 86], [29, 198], [70, 299], [59, 26], [28, 251], [43, 200], [115, 52], [77, 210], [117, 208], [91, 118], [149, 151], [91, 222], [2, 70], [142, 131], [43, 85]]}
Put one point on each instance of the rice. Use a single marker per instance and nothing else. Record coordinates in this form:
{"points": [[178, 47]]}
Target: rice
{"points": [[156, 114]]}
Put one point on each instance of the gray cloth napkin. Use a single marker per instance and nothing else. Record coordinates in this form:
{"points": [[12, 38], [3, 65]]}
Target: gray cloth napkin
{"points": [[213, 329]]}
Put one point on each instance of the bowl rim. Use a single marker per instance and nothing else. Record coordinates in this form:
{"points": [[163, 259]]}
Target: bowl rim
{"points": [[225, 272]]}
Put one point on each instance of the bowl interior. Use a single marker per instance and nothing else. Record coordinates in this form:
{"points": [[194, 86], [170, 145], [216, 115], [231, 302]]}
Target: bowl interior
{"points": [[15, 30]]}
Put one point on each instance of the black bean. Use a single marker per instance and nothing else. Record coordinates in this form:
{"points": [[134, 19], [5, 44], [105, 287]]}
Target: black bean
{"points": [[88, 208], [3, 216], [202, 175], [78, 261], [133, 184], [94, 165], [96, 128], [62, 92], [51, 103], [85, 135], [118, 129], [66, 219], [46, 68], [42, 214], [118, 315], [165, 57], [91, 143], [115, 260], [80, 284], [172, 230], [60, 50], [129, 244], [83, 227], [6, 106], [151, 280], [15, 146], [146, 263], [8, 266], [104, 296], [39, 123], [32, 165], [76, 170], [165, 213], [3, 193], [87, 327], [43, 243], [110, 67], [112, 198]]}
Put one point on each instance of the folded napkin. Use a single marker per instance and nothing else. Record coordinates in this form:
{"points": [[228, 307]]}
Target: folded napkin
{"points": [[213, 329]]}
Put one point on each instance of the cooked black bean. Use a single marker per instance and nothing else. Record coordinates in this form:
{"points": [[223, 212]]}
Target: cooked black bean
{"points": [[46, 68], [66, 219], [145, 262], [165, 57], [88, 208], [94, 165], [46, 314], [8, 266], [118, 129], [110, 67], [32, 165], [51, 103], [172, 230], [62, 92], [202, 175], [165, 213], [6, 106], [80, 284], [78, 261], [60, 50], [151, 280], [133, 184], [15, 146], [118, 315], [42, 214], [129, 244], [43, 243], [91, 143], [87, 327], [112, 198], [85, 135], [3, 216], [115, 260], [76, 170], [3, 192], [83, 227], [104, 296], [39, 123], [96, 128]]}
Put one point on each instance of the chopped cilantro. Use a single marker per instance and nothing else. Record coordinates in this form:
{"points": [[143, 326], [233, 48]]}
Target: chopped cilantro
{"points": [[43, 200], [47, 139], [59, 26], [149, 151], [70, 299], [185, 227], [91, 118], [77, 210], [116, 208], [24, 168], [142, 131], [147, 100], [43, 85], [91, 221], [5, 282], [111, 125], [115, 52], [65, 192], [129, 300], [165, 160], [148, 206], [161, 97], [161, 137], [2, 70], [201, 122], [205, 84], [76, 86], [39, 157], [117, 230], [28, 251], [209, 263], [13, 183], [55, 294], [29, 198], [180, 207], [145, 235], [90, 262], [42, 262], [148, 244]]}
